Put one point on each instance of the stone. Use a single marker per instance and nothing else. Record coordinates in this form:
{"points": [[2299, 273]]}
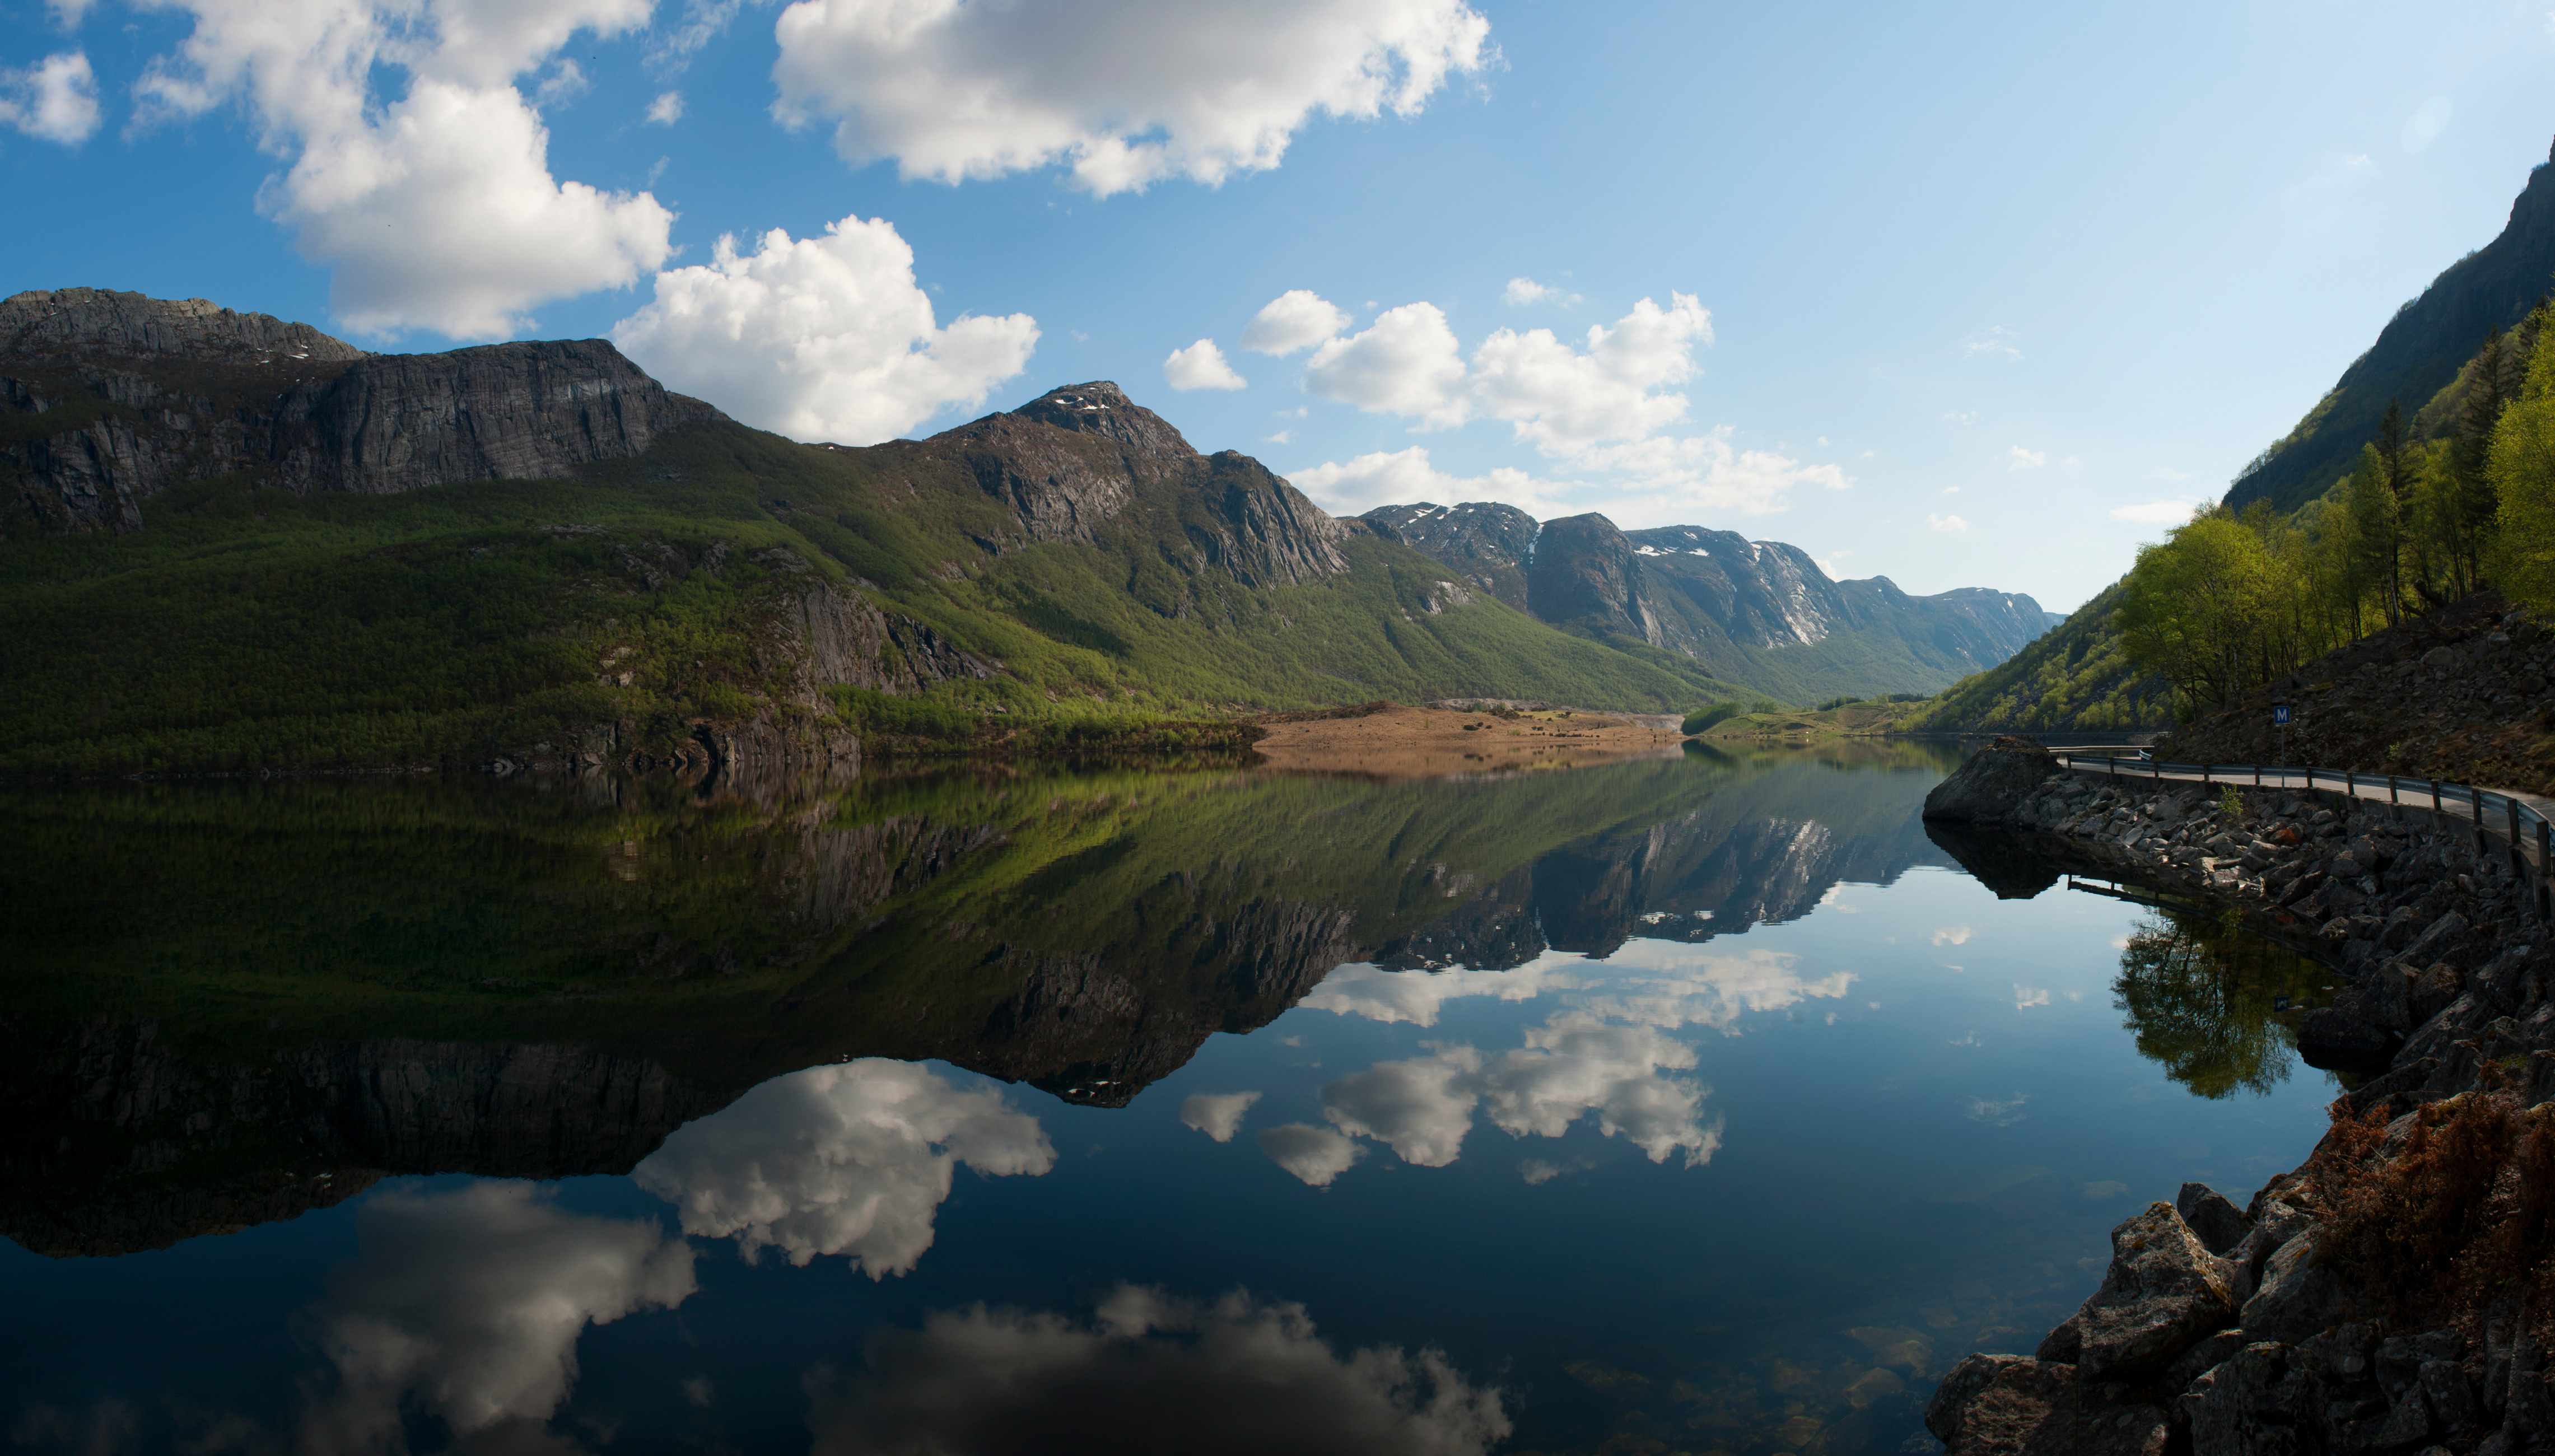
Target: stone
{"points": [[2383, 998], [1993, 783], [2452, 1402], [2162, 1293], [2294, 1299], [2206, 1356], [2063, 1344], [2109, 1426], [2005, 1405], [2442, 933], [2220, 1225], [2252, 1404]]}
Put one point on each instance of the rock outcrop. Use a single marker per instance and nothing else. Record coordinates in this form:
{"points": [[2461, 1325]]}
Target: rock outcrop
{"points": [[1492, 545], [1990, 788], [1584, 575], [112, 398]]}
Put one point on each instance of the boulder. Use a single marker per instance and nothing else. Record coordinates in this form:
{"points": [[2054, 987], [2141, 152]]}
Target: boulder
{"points": [[2295, 1298], [1991, 787], [2259, 1402], [2162, 1293], [2220, 1224], [2435, 941], [2005, 1405]]}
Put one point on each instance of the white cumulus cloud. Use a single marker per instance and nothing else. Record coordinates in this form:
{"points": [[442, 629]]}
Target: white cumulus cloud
{"points": [[2155, 513], [1711, 472], [1200, 366], [1952, 524], [2018, 458], [820, 338], [853, 1159], [1345, 488], [1123, 92], [667, 109], [1156, 1375], [467, 1306], [437, 210], [1406, 363], [1216, 1114], [1297, 318], [1565, 400], [56, 98], [1524, 290]]}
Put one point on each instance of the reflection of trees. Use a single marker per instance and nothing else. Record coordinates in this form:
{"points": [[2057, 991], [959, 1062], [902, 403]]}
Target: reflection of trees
{"points": [[2199, 993]]}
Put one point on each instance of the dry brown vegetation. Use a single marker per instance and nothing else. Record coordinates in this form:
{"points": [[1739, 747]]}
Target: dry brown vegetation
{"points": [[2456, 1219]]}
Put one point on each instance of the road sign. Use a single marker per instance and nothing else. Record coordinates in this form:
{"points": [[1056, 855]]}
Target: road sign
{"points": [[2280, 715]]}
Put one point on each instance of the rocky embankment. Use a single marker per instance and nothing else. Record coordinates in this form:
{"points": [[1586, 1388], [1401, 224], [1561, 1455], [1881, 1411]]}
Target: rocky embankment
{"points": [[2458, 694], [2387, 1296]]}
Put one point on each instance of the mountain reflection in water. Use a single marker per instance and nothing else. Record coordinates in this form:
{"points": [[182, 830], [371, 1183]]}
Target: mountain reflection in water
{"points": [[1742, 1113]]}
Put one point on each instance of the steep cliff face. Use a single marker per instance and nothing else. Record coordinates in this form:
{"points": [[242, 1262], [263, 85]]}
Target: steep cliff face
{"points": [[1492, 545], [1722, 599], [111, 398], [1760, 593], [1073, 463], [1586, 575], [2417, 353]]}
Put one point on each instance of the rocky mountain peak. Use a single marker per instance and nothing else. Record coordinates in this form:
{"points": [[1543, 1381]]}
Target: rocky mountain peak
{"points": [[89, 322], [1488, 543], [111, 398], [1101, 408]]}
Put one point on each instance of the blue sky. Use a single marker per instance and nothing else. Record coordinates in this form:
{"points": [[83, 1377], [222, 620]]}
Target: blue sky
{"points": [[1967, 295]]}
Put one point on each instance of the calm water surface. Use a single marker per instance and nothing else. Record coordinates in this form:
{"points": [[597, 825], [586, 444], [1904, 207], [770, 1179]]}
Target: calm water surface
{"points": [[1693, 1105]]}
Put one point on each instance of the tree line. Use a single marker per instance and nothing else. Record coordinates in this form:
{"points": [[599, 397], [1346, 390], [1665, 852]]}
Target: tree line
{"points": [[2456, 498]]}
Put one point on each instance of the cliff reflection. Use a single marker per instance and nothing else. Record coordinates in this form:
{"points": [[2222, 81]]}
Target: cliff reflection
{"points": [[2212, 1003], [222, 1004]]}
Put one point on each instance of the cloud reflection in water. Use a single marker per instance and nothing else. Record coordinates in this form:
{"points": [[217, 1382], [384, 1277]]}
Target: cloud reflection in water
{"points": [[853, 1159], [468, 1304], [1150, 1374]]}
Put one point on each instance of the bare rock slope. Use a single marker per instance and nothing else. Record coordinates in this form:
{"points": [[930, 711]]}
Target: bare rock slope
{"points": [[108, 399]]}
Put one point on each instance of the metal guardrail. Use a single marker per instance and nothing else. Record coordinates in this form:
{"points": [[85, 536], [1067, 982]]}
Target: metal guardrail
{"points": [[2492, 811]]}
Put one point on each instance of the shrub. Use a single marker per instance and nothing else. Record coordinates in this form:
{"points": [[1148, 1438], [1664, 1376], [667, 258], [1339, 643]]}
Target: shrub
{"points": [[1705, 717]]}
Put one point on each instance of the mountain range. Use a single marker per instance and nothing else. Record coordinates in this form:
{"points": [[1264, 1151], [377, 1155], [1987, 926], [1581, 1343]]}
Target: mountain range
{"points": [[229, 541], [1759, 612]]}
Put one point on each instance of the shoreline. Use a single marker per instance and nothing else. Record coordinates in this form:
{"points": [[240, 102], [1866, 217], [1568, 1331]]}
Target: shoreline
{"points": [[2289, 1326]]}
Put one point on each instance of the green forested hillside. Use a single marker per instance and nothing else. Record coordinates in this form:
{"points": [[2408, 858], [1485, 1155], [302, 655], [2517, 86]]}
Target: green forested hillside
{"points": [[2077, 677], [247, 627]]}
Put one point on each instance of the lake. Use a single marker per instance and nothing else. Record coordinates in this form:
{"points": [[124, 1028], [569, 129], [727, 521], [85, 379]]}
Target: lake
{"points": [[1703, 1104]]}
